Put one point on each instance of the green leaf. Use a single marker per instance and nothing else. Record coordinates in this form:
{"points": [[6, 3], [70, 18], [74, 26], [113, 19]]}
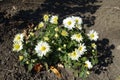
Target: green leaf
{"points": [[81, 74], [46, 66], [94, 61], [84, 59], [76, 64], [25, 53], [76, 73], [30, 66], [66, 65]]}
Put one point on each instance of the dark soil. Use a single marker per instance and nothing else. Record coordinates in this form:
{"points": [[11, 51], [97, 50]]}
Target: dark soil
{"points": [[101, 15]]}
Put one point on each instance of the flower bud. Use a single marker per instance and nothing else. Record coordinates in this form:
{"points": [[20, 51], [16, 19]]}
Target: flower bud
{"points": [[27, 62], [64, 33], [32, 34], [59, 49], [40, 25], [46, 38], [64, 45], [56, 29], [60, 65], [88, 72], [56, 35], [53, 41], [35, 28], [93, 45], [33, 60], [21, 58]]}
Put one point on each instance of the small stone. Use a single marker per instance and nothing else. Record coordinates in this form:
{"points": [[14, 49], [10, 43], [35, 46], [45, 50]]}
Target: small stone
{"points": [[118, 47]]}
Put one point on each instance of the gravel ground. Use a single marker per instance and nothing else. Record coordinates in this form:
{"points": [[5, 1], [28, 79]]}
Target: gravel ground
{"points": [[101, 15]]}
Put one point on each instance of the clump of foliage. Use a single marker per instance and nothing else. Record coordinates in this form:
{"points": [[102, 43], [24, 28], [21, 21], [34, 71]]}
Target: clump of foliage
{"points": [[51, 45]]}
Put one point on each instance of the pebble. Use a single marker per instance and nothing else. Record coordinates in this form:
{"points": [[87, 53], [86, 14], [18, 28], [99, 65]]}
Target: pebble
{"points": [[118, 47]]}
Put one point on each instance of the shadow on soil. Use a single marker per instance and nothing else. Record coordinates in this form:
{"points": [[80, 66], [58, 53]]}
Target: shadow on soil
{"points": [[62, 8], [105, 57]]}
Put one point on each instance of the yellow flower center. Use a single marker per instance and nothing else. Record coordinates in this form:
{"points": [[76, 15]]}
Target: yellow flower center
{"points": [[43, 48], [76, 20], [92, 35], [16, 46], [86, 65], [73, 54], [78, 35], [55, 19], [18, 37], [69, 22], [80, 48]]}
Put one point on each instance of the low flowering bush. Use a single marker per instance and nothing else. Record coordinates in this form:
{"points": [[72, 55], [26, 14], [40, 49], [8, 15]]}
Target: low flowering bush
{"points": [[50, 45]]}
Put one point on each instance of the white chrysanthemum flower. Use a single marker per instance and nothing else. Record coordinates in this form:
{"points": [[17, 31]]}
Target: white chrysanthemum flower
{"points": [[69, 23], [78, 37], [18, 37], [54, 20], [93, 35], [40, 25], [74, 55], [78, 20], [81, 49], [88, 64], [46, 17], [42, 48], [17, 46]]}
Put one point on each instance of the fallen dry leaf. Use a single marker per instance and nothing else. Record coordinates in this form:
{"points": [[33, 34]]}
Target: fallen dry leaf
{"points": [[55, 71]]}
